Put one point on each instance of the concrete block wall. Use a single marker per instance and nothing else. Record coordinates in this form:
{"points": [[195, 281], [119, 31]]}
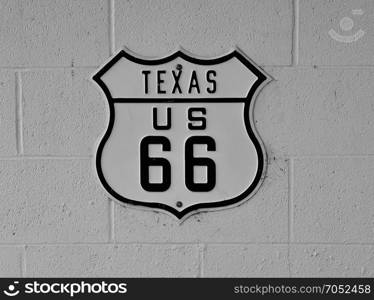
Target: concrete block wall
{"points": [[314, 214]]}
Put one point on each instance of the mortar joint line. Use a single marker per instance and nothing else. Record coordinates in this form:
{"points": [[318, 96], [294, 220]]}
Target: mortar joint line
{"points": [[295, 33], [186, 243], [202, 248], [23, 261], [19, 114], [112, 45], [44, 157], [277, 66], [111, 221]]}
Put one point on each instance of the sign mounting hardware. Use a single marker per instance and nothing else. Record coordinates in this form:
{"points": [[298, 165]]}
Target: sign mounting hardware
{"points": [[181, 136]]}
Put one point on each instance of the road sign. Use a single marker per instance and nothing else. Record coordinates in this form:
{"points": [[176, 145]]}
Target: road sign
{"points": [[181, 136]]}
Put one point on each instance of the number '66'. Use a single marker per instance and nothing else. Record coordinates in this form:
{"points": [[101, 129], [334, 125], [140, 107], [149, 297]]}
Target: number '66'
{"points": [[190, 162]]}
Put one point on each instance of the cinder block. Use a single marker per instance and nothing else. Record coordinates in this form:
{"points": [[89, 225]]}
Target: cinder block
{"points": [[7, 113], [317, 111], [112, 261], [10, 261], [246, 261], [51, 201], [53, 33], [333, 200], [261, 28], [64, 112], [262, 218], [331, 32], [332, 261]]}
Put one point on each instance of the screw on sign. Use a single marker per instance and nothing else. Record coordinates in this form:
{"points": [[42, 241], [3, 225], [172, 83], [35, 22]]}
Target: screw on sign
{"points": [[181, 136]]}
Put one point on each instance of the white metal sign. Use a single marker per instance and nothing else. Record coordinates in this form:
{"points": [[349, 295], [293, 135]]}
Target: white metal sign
{"points": [[181, 136]]}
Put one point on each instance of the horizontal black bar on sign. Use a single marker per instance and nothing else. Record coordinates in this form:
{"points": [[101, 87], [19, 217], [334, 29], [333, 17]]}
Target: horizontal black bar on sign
{"points": [[185, 288], [178, 100]]}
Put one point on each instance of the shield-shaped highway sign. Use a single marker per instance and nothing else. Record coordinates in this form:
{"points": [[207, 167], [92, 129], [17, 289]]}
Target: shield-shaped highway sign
{"points": [[181, 136]]}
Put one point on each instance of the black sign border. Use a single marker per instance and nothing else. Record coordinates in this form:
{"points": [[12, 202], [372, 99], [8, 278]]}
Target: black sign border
{"points": [[249, 102]]}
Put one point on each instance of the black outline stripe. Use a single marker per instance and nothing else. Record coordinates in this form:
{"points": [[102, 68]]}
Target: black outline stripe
{"points": [[178, 100], [248, 102]]}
